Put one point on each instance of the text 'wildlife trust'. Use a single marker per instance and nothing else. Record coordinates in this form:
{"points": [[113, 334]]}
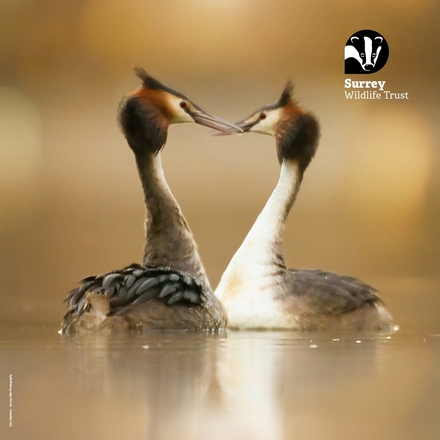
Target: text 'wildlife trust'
{"points": [[370, 90]]}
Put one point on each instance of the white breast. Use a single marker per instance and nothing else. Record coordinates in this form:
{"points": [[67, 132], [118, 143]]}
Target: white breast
{"points": [[257, 310], [251, 302]]}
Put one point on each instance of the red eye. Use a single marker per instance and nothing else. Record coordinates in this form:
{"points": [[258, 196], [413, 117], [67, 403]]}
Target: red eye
{"points": [[183, 104], [263, 116]]}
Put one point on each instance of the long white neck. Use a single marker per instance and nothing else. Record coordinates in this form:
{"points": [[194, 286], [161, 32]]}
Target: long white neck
{"points": [[261, 252]]}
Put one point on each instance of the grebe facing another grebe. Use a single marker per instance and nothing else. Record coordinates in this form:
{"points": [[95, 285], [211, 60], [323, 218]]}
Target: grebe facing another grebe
{"points": [[257, 289], [170, 290]]}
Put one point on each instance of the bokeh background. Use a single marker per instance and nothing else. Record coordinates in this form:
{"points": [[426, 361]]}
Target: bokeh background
{"points": [[70, 200]]}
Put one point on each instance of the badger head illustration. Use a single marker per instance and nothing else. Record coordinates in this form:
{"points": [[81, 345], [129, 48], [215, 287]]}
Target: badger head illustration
{"points": [[362, 52]]}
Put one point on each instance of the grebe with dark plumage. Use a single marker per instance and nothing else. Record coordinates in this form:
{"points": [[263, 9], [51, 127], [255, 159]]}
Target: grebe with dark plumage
{"points": [[170, 290], [257, 289]]}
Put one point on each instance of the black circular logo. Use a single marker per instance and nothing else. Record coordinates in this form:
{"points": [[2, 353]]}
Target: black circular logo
{"points": [[365, 52]]}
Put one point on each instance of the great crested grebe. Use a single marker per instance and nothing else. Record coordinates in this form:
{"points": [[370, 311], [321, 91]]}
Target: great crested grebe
{"points": [[257, 290], [170, 290]]}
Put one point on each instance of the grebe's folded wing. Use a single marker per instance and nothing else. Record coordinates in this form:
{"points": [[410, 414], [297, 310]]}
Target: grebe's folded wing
{"points": [[319, 292], [136, 284]]}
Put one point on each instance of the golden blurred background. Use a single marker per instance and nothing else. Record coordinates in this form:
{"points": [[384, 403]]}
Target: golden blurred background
{"points": [[70, 200]]}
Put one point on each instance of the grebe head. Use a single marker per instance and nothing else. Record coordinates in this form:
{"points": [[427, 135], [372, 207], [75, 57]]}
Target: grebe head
{"points": [[296, 131], [146, 113]]}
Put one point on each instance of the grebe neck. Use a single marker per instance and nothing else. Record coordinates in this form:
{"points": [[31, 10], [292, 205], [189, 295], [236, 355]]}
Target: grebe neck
{"points": [[266, 235], [260, 258], [168, 239]]}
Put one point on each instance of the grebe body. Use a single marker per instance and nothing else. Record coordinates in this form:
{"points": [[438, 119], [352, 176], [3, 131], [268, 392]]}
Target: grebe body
{"points": [[170, 290], [257, 289]]}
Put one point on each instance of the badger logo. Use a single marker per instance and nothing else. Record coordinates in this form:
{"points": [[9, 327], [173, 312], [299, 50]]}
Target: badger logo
{"points": [[365, 52]]}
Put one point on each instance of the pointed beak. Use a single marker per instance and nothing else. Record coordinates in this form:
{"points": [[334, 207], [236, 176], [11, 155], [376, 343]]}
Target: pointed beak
{"points": [[202, 118], [243, 126]]}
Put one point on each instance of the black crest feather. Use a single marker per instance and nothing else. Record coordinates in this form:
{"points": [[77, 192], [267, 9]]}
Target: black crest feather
{"points": [[148, 80], [287, 94], [285, 98], [153, 84]]}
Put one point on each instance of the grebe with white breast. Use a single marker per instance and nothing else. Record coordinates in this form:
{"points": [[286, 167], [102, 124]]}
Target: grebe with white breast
{"points": [[257, 289]]}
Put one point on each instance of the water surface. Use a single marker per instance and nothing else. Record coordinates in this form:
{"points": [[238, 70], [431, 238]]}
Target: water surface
{"points": [[235, 386]]}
